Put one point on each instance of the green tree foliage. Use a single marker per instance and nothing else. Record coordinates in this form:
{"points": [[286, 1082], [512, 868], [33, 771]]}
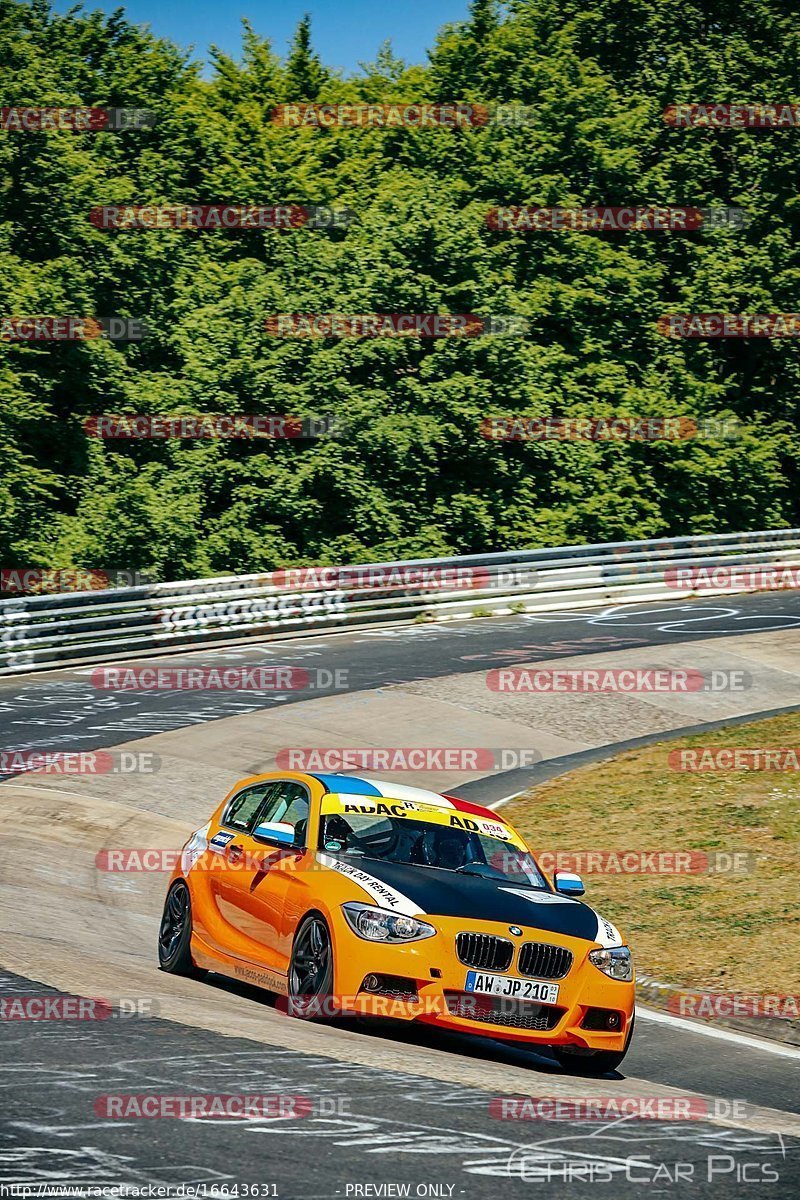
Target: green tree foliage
{"points": [[413, 476], [305, 74]]}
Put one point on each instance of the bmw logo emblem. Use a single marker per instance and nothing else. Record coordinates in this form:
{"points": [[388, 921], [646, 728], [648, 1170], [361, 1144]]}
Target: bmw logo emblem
{"points": [[515, 929]]}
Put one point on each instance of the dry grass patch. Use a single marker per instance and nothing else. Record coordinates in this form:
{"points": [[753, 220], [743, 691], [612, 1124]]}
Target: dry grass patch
{"points": [[726, 932]]}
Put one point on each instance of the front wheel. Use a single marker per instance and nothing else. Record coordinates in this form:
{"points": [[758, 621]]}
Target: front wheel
{"points": [[311, 972], [175, 934], [580, 1061]]}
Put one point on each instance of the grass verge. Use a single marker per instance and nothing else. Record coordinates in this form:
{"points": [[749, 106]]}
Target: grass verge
{"points": [[726, 932]]}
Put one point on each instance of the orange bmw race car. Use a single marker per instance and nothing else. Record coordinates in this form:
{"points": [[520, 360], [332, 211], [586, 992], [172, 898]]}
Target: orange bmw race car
{"points": [[357, 896]]}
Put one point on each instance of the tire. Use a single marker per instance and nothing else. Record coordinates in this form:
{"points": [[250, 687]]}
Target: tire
{"points": [[592, 1063], [175, 934], [311, 971]]}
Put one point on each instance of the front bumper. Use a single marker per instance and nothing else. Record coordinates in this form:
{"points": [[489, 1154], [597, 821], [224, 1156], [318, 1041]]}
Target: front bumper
{"points": [[439, 977]]}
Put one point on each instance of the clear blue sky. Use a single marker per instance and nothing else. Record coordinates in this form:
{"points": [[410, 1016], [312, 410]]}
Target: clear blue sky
{"points": [[344, 31]]}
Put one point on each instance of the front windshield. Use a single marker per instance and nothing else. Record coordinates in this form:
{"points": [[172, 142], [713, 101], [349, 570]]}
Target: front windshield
{"points": [[426, 841]]}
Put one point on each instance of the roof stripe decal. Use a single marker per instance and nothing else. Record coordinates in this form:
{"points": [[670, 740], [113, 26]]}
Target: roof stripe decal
{"points": [[477, 810], [403, 791], [348, 785]]}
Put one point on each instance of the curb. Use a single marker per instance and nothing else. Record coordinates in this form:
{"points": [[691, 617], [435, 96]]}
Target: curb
{"points": [[659, 995]]}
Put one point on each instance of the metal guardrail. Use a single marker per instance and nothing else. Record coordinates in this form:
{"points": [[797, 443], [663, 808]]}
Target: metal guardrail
{"points": [[41, 632]]}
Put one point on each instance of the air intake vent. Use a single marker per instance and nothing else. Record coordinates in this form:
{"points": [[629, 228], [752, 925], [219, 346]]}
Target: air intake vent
{"points": [[484, 952], [496, 1010], [544, 961]]}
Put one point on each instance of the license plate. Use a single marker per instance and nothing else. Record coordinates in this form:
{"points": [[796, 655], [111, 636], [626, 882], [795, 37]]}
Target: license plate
{"points": [[506, 985]]}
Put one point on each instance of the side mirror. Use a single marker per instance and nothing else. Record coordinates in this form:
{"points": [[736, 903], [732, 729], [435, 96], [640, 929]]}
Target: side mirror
{"points": [[277, 833], [567, 884]]}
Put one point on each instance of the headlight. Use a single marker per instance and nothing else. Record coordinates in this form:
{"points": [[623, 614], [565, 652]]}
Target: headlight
{"points": [[378, 925], [616, 962]]}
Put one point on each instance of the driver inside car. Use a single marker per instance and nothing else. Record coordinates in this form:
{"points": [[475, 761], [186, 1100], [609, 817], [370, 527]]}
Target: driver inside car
{"points": [[446, 848]]}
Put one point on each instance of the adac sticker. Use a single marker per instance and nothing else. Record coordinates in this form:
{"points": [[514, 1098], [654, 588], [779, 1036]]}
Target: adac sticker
{"points": [[377, 806]]}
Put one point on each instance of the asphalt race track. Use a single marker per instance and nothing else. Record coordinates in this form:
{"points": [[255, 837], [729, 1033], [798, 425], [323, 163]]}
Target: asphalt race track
{"points": [[62, 707], [387, 1108], [362, 1128]]}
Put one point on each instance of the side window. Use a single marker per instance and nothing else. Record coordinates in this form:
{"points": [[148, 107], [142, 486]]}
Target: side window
{"points": [[242, 811], [286, 802]]}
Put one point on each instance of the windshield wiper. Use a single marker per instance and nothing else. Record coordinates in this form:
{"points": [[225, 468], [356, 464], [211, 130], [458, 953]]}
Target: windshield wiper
{"points": [[480, 869]]}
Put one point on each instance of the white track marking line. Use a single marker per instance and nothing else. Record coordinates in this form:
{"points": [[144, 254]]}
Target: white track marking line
{"points": [[505, 800], [722, 1035]]}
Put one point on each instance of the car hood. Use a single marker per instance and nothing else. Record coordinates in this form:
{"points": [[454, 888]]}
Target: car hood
{"points": [[424, 891]]}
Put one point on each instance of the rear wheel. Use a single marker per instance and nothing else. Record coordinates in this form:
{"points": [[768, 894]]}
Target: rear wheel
{"points": [[311, 972], [580, 1061], [175, 934]]}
